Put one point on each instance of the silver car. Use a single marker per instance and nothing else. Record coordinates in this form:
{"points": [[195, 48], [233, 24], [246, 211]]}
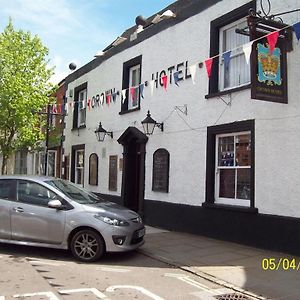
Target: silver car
{"points": [[54, 213]]}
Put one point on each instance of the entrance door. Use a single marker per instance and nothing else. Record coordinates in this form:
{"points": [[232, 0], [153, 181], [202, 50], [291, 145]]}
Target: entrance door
{"points": [[132, 186], [133, 179]]}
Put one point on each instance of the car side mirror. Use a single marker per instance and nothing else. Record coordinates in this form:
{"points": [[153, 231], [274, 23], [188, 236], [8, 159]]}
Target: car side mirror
{"points": [[55, 204]]}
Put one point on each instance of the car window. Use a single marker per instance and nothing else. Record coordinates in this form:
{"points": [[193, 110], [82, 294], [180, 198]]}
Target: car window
{"points": [[34, 193], [75, 193], [5, 189]]}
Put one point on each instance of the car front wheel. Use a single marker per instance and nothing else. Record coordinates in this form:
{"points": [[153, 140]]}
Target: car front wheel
{"points": [[87, 245]]}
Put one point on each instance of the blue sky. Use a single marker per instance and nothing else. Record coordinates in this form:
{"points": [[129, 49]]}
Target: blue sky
{"points": [[74, 30]]}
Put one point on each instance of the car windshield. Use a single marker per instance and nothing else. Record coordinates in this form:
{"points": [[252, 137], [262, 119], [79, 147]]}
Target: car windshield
{"points": [[74, 192]]}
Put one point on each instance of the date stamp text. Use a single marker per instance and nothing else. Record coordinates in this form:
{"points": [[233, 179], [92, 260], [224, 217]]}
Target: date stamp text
{"points": [[280, 263]]}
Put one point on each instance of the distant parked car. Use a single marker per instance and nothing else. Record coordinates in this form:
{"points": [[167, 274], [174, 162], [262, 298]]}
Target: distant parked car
{"points": [[50, 212]]}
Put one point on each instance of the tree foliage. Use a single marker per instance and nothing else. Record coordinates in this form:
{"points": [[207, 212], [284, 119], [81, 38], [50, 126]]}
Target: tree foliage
{"points": [[24, 90]]}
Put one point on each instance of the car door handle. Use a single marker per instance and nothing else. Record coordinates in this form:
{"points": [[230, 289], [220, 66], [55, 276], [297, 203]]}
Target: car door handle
{"points": [[18, 209]]}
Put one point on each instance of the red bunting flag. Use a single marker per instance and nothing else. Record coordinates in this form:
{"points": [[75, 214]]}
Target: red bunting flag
{"points": [[272, 40], [54, 110], [132, 93], [208, 64], [108, 99], [165, 81]]}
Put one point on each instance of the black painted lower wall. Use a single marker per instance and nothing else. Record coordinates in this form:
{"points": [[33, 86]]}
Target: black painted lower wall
{"points": [[254, 229], [264, 231]]}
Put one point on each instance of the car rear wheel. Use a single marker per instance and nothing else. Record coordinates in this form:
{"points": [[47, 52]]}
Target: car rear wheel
{"points": [[87, 245]]}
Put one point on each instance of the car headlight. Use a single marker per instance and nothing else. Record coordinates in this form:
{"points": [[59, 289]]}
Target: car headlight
{"points": [[111, 221]]}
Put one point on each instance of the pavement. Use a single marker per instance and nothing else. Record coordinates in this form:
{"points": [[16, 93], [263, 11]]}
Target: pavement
{"points": [[252, 272]]}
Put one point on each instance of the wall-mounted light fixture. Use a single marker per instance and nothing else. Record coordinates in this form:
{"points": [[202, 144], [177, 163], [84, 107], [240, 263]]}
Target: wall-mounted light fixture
{"points": [[149, 124], [101, 132]]}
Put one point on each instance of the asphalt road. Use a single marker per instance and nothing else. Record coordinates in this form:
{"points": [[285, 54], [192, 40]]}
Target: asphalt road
{"points": [[38, 273]]}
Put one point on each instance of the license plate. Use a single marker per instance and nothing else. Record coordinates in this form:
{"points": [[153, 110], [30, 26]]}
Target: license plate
{"points": [[140, 232]]}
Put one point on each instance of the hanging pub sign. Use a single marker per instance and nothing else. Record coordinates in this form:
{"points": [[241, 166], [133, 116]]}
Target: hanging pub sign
{"points": [[269, 59]]}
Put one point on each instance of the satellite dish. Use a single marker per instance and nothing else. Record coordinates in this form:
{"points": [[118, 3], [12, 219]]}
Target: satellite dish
{"points": [[72, 66]]}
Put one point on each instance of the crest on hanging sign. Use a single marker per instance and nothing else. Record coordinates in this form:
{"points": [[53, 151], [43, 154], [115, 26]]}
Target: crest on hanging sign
{"points": [[269, 70], [269, 80]]}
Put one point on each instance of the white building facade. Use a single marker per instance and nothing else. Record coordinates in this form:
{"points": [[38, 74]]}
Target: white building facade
{"points": [[225, 165]]}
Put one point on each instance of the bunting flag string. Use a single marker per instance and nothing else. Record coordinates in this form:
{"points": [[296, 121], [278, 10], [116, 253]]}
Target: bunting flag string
{"points": [[272, 40], [133, 92], [296, 28], [152, 87], [114, 96], [247, 49], [123, 96], [176, 77], [108, 96], [141, 88], [226, 57], [208, 64], [165, 81], [192, 70]]}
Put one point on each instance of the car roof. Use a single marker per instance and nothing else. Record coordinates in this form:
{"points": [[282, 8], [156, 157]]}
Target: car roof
{"points": [[28, 177]]}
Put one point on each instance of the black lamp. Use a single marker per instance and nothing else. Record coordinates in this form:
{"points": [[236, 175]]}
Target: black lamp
{"points": [[149, 124], [101, 132]]}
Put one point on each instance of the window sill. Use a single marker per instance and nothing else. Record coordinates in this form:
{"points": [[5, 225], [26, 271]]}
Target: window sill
{"points": [[229, 91], [77, 128], [129, 111], [244, 209]]}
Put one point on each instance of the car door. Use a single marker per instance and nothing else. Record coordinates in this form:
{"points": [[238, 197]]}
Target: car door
{"points": [[6, 194], [31, 218]]}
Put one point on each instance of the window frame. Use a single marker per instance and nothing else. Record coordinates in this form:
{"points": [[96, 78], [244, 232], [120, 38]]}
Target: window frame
{"points": [[55, 161], [67, 167], [95, 181], [130, 101], [73, 162], [77, 124], [39, 163], [224, 200], [239, 52], [52, 124], [77, 153], [21, 162], [131, 64], [211, 161], [42, 204], [81, 110], [215, 26], [11, 192]]}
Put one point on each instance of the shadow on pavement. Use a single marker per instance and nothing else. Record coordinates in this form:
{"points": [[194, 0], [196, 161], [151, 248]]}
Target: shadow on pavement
{"points": [[228, 263]]}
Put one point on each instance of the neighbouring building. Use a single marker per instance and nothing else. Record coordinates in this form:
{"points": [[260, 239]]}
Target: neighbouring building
{"points": [[56, 126], [223, 158], [32, 161]]}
